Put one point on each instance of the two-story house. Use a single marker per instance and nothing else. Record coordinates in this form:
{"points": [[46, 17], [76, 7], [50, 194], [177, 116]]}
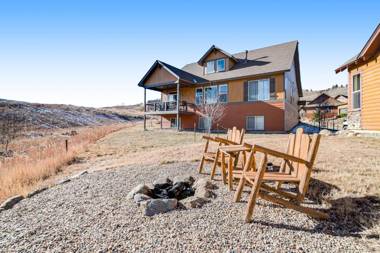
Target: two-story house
{"points": [[364, 85], [259, 89]]}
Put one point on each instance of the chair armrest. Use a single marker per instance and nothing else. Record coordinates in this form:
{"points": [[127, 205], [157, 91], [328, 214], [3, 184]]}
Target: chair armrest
{"points": [[261, 149]]}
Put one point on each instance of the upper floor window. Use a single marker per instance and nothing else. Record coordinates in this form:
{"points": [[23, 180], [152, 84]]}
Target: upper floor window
{"points": [[220, 65], [259, 90], [198, 96], [210, 67], [213, 66], [223, 93], [356, 91]]}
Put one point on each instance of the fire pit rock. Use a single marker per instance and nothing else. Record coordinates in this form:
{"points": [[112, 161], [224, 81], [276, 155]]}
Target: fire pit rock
{"points": [[167, 194]]}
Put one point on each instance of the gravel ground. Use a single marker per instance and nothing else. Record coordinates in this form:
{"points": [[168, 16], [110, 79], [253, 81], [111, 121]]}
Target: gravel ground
{"points": [[92, 214]]}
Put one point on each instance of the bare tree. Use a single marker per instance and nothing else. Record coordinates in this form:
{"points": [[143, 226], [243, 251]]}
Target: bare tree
{"points": [[214, 112], [11, 126]]}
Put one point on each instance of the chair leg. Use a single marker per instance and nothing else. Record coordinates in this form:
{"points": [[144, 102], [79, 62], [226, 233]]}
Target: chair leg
{"points": [[255, 190], [223, 168], [230, 177], [200, 167], [213, 169], [239, 189]]}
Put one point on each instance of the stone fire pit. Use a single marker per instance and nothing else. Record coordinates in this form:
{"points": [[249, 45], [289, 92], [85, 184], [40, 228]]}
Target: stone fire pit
{"points": [[183, 192]]}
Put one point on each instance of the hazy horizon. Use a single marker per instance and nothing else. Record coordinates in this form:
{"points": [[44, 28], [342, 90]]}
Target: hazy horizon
{"points": [[93, 53]]}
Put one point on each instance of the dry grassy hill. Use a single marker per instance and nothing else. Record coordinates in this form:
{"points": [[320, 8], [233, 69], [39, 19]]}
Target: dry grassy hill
{"points": [[51, 116]]}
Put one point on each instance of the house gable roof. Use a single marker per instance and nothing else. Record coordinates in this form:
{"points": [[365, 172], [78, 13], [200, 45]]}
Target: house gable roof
{"points": [[178, 73], [370, 48], [263, 61], [212, 49], [324, 100]]}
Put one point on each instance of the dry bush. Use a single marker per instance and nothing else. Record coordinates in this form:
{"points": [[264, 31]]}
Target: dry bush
{"points": [[39, 159]]}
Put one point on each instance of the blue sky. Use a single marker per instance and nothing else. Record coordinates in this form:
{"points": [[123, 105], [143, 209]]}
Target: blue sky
{"points": [[93, 53]]}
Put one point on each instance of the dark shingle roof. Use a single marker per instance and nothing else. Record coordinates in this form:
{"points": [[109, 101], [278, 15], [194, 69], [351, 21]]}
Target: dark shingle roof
{"points": [[184, 75], [265, 60]]}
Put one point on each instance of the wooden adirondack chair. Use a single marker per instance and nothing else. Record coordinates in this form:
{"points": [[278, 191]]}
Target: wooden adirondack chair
{"points": [[300, 166], [232, 152], [234, 137]]}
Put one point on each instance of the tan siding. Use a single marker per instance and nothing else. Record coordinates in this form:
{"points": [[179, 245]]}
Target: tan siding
{"points": [[236, 88], [370, 108], [215, 55], [160, 75], [188, 94]]}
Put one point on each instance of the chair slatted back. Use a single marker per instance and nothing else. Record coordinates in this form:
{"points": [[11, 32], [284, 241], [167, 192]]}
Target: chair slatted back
{"points": [[235, 135], [308, 152]]}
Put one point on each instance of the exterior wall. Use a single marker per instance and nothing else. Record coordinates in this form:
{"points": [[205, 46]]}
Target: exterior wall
{"points": [[291, 99], [160, 75], [368, 117], [236, 87]]}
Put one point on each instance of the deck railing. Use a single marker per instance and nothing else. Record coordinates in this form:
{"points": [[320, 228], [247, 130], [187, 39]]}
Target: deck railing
{"points": [[169, 106]]}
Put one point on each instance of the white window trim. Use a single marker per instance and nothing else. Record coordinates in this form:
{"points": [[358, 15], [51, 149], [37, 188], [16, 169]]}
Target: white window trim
{"points": [[251, 81], [358, 91], [253, 129], [203, 95], [206, 69], [220, 85], [217, 94], [216, 64]]}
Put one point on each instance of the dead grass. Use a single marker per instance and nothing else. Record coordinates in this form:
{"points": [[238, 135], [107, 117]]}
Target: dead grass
{"points": [[36, 160]]}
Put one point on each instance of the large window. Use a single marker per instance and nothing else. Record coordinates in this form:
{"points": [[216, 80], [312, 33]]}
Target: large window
{"points": [[211, 94], [259, 90], [213, 66], [356, 94], [223, 93], [255, 123], [198, 96]]}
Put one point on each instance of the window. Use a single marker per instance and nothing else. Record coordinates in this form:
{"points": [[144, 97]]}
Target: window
{"points": [[255, 123], [258, 90], [220, 65], [223, 93], [356, 87], [213, 66], [199, 96], [204, 123], [172, 97], [173, 122], [211, 94], [210, 67]]}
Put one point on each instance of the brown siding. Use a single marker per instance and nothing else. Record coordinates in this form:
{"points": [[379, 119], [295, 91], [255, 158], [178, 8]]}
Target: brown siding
{"points": [[160, 75], [370, 81], [188, 94]]}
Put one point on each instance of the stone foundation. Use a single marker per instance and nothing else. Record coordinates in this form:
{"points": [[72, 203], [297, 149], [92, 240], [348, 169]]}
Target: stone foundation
{"points": [[353, 119]]}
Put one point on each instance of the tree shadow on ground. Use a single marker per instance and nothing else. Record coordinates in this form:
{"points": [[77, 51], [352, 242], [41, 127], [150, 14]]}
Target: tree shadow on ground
{"points": [[348, 216]]}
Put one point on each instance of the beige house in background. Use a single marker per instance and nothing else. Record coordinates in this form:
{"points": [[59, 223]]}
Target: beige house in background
{"points": [[364, 85]]}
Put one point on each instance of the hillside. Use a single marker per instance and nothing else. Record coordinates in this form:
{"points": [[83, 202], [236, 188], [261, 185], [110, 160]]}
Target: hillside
{"points": [[50, 116]]}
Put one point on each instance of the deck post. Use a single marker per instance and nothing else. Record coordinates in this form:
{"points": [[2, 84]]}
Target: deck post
{"points": [[178, 101], [161, 123], [144, 109]]}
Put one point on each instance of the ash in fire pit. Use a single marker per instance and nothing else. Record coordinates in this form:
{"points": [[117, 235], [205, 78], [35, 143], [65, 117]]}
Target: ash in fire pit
{"points": [[167, 195], [169, 190]]}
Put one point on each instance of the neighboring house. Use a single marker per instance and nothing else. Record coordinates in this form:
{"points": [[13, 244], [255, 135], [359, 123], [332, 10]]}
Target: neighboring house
{"points": [[259, 89], [329, 107], [364, 85]]}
